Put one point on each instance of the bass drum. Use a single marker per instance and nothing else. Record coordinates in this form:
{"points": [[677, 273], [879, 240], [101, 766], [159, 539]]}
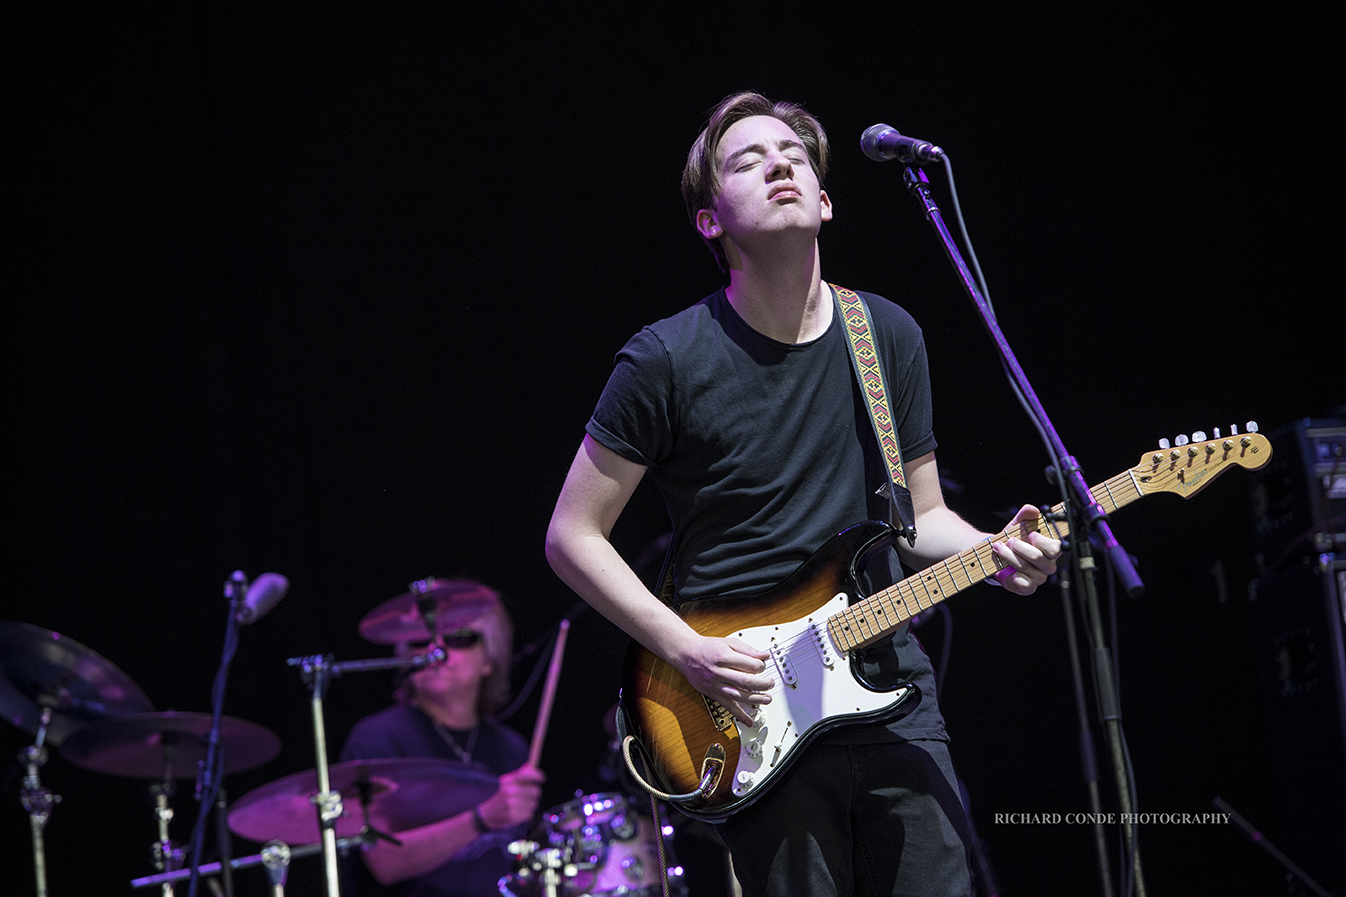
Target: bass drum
{"points": [[599, 845]]}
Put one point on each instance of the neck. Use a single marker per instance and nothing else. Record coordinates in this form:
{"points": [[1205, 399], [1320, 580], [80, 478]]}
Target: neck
{"points": [[786, 301]]}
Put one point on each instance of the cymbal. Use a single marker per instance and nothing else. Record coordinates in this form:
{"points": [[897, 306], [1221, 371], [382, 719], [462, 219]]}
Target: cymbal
{"points": [[40, 668], [405, 792], [453, 603], [168, 745]]}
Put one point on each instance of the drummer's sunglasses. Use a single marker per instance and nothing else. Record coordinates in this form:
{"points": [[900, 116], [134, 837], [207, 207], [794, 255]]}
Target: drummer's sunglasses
{"points": [[461, 638]]}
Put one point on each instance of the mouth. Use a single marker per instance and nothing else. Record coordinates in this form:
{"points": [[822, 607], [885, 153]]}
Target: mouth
{"points": [[784, 191]]}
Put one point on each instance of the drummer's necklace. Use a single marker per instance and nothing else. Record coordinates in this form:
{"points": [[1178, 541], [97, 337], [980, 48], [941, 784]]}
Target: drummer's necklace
{"points": [[464, 754]]}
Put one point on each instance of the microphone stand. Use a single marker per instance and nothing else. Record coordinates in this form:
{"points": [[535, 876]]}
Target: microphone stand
{"points": [[317, 672], [1086, 517], [212, 770]]}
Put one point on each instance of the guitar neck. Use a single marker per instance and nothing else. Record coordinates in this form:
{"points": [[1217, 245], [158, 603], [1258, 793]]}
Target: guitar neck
{"points": [[882, 613], [1183, 472]]}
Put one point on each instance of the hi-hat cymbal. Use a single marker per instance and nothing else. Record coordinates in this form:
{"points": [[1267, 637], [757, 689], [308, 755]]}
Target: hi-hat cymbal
{"points": [[168, 745], [40, 668], [450, 603], [404, 793]]}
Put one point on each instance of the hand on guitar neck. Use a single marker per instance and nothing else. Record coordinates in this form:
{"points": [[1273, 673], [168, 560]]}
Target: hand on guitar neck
{"points": [[1028, 555]]}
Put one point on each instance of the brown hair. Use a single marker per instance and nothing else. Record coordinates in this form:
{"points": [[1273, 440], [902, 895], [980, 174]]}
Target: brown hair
{"points": [[701, 177]]}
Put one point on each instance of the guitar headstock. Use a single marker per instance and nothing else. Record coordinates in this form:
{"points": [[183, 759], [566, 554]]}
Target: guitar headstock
{"points": [[1186, 469]]}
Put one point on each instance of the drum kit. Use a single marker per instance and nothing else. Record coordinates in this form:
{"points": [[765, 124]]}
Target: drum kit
{"points": [[72, 699]]}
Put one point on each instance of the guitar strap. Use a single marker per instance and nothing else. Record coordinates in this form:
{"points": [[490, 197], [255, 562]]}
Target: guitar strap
{"points": [[869, 374]]}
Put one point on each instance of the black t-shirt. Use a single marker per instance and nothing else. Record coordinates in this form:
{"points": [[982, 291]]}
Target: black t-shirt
{"points": [[763, 450], [405, 731]]}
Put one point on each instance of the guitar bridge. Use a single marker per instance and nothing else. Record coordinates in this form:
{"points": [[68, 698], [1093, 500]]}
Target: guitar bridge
{"points": [[719, 716]]}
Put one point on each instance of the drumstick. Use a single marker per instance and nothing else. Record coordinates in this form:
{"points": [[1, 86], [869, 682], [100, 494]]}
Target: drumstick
{"points": [[548, 693]]}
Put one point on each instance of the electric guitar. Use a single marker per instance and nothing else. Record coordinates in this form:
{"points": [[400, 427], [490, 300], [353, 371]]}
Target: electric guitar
{"points": [[712, 766]]}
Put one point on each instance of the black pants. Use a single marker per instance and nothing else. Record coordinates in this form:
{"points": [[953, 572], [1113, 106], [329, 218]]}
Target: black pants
{"points": [[871, 820]]}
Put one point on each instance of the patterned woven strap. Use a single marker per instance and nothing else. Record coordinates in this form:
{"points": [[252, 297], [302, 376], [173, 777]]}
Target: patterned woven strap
{"points": [[867, 368]]}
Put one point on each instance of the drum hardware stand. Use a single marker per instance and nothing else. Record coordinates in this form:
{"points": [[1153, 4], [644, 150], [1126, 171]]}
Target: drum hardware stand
{"points": [[552, 864], [280, 857], [317, 672], [38, 801], [276, 859], [165, 857]]}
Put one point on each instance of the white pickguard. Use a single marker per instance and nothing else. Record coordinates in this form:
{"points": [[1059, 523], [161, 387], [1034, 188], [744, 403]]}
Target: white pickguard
{"points": [[813, 685]]}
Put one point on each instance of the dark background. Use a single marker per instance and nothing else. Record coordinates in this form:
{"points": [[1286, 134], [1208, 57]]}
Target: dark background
{"points": [[331, 291]]}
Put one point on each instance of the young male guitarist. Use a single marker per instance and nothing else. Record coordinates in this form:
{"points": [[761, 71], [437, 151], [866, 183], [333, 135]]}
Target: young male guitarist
{"points": [[745, 410]]}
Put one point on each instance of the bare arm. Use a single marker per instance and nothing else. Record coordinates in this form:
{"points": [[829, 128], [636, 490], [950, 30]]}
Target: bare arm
{"points": [[596, 490], [941, 533], [427, 847]]}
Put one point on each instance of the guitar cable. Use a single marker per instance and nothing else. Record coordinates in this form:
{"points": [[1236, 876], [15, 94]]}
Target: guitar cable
{"points": [[700, 791]]}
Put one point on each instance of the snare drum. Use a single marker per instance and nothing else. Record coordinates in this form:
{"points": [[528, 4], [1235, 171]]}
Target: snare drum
{"points": [[604, 847]]}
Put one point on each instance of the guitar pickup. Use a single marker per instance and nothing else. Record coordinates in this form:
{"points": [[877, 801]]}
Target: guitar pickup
{"points": [[818, 635], [781, 654]]}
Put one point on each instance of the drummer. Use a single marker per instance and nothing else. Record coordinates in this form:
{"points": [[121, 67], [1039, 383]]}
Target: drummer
{"points": [[445, 711]]}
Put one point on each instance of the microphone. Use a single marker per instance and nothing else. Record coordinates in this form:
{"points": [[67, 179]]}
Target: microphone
{"points": [[264, 594], [882, 142]]}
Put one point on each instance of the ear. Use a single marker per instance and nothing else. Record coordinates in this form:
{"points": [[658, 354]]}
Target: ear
{"points": [[826, 202], [708, 225]]}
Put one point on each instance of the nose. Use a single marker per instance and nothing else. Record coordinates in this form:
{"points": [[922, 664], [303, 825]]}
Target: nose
{"points": [[778, 166]]}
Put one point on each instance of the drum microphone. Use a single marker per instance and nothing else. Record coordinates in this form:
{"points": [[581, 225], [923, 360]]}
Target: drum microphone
{"points": [[264, 594], [883, 142]]}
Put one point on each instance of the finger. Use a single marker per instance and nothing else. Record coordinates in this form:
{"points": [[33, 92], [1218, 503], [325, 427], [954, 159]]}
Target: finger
{"points": [[743, 649], [753, 692], [1032, 554], [1008, 556], [743, 711], [1046, 544], [1021, 574]]}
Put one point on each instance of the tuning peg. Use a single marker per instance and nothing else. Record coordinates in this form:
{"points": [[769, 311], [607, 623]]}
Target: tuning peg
{"points": [[1251, 426], [1199, 436], [1164, 443], [1181, 440]]}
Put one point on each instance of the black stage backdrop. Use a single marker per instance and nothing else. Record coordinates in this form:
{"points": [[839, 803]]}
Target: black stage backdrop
{"points": [[331, 292]]}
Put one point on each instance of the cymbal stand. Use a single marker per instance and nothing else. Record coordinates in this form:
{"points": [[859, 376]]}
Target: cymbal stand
{"points": [[38, 801], [164, 856], [317, 672]]}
